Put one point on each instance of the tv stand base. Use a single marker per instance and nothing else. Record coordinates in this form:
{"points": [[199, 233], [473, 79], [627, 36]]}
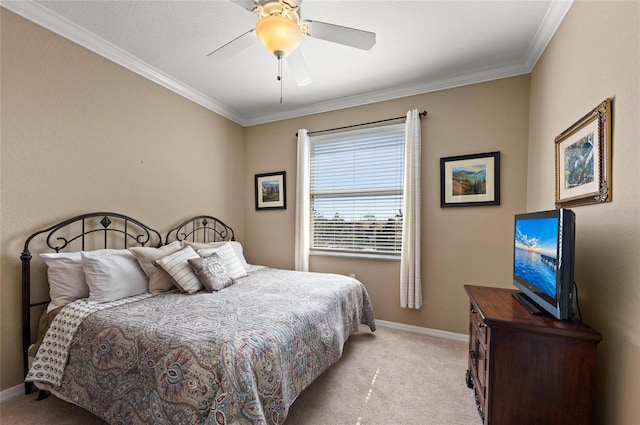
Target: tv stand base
{"points": [[528, 302]]}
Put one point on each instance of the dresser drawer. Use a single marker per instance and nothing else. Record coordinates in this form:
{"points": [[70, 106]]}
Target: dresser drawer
{"points": [[478, 324], [477, 372]]}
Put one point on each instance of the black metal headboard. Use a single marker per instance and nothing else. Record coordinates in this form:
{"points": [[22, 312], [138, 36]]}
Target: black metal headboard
{"points": [[97, 230], [201, 228]]}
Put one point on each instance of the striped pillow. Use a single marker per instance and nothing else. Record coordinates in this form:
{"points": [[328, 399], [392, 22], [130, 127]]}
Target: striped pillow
{"points": [[229, 258], [176, 265]]}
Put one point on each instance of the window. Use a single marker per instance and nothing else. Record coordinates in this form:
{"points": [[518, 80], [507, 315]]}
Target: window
{"points": [[356, 191]]}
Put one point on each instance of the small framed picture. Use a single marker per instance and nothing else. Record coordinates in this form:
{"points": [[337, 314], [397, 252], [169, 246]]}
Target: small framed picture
{"points": [[271, 191], [470, 180], [583, 160]]}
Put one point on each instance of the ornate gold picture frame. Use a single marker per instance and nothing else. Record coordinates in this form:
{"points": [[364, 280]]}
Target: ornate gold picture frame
{"points": [[583, 160]]}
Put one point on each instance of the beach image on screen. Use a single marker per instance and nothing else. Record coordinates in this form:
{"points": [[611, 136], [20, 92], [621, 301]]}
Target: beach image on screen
{"points": [[535, 257]]}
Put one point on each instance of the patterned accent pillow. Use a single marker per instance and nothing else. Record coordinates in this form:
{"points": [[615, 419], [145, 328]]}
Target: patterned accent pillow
{"points": [[177, 267], [211, 272], [229, 258]]}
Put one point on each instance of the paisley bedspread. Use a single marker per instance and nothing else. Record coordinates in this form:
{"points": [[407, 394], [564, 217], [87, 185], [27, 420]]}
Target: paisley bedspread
{"points": [[238, 356]]}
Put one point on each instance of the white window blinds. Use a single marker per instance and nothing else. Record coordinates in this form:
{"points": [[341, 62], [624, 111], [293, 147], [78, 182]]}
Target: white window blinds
{"points": [[356, 190]]}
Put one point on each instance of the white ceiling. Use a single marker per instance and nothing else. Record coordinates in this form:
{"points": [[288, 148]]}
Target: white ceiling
{"points": [[421, 46]]}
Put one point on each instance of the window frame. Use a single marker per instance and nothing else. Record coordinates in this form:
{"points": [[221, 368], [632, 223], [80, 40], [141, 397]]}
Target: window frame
{"points": [[397, 130]]}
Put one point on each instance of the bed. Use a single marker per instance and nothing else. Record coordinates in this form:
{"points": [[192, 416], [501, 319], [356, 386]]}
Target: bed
{"points": [[237, 347]]}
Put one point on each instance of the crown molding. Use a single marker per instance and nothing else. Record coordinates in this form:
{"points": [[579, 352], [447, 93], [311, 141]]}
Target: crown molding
{"points": [[44, 17], [65, 28], [396, 92], [552, 20]]}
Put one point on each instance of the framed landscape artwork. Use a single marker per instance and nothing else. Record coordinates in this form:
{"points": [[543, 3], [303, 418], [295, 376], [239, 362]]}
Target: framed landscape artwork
{"points": [[583, 160], [271, 191], [470, 180]]}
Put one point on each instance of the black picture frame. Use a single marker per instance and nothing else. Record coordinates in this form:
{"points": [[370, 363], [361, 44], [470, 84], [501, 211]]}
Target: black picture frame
{"points": [[271, 191], [470, 180]]}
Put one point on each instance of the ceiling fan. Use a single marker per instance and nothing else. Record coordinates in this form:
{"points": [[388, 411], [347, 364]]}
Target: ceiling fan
{"points": [[280, 30]]}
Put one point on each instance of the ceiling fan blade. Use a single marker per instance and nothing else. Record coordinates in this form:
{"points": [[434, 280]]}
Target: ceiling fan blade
{"points": [[298, 68], [247, 4], [359, 39], [235, 46]]}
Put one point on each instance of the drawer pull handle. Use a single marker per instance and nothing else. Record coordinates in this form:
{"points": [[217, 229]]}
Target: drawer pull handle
{"points": [[473, 354]]}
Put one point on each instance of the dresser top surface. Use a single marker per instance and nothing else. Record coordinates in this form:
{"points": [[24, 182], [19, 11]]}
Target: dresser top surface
{"points": [[499, 308]]}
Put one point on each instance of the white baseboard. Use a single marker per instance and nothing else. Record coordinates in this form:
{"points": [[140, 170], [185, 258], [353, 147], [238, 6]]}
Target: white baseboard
{"points": [[424, 331], [11, 393]]}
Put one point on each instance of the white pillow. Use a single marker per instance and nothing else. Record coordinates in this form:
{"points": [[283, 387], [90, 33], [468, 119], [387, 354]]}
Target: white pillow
{"points": [[159, 281], [66, 278], [177, 266], [112, 274], [229, 259], [237, 247]]}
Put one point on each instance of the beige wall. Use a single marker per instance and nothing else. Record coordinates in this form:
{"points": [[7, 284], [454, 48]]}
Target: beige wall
{"points": [[80, 133], [465, 245], [595, 55]]}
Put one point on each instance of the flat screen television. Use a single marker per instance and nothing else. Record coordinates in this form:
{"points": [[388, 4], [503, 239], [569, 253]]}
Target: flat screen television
{"points": [[543, 257]]}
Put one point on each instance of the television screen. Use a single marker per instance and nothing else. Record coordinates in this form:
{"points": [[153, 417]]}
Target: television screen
{"points": [[543, 261], [536, 253]]}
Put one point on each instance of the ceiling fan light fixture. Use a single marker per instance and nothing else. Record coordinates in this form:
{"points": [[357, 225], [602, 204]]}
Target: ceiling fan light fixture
{"points": [[280, 35]]}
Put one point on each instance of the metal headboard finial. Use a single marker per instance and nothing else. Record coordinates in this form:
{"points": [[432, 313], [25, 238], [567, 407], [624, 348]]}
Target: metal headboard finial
{"points": [[201, 228]]}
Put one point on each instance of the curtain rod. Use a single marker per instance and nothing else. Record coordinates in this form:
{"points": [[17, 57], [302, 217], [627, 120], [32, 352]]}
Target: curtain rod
{"points": [[421, 115]]}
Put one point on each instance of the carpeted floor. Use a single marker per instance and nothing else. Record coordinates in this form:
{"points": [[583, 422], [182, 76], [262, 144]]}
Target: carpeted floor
{"points": [[388, 377]]}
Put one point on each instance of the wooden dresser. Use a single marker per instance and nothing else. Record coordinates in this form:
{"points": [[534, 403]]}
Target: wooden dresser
{"points": [[525, 368]]}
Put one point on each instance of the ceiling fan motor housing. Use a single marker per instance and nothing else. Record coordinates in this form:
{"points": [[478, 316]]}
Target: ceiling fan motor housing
{"points": [[278, 8]]}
